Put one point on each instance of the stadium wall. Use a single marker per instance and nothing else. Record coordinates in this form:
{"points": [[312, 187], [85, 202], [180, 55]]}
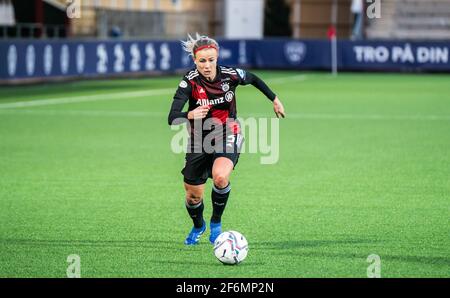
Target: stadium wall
{"points": [[25, 61]]}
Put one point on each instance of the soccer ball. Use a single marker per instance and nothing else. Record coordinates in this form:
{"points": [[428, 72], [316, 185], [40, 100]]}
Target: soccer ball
{"points": [[231, 248]]}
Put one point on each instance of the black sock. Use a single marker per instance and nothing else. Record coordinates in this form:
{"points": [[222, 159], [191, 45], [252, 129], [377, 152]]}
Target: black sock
{"points": [[196, 213], [219, 197]]}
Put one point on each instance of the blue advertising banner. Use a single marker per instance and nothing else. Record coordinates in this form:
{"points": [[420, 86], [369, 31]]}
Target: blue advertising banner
{"points": [[53, 59], [395, 56], [57, 58], [291, 54]]}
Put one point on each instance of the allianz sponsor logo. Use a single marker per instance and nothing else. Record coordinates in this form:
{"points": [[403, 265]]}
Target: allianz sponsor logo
{"points": [[295, 51], [207, 102]]}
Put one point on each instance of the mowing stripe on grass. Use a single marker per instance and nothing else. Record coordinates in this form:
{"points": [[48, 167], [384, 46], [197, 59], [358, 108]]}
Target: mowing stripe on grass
{"points": [[103, 113], [284, 80]]}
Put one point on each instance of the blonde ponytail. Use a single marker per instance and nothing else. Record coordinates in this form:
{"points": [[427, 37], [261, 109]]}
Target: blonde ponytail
{"points": [[191, 44]]}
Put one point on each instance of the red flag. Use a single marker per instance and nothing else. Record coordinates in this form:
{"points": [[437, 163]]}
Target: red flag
{"points": [[331, 32]]}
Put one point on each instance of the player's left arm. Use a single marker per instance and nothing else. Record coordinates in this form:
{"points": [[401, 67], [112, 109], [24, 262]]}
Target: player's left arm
{"points": [[246, 78]]}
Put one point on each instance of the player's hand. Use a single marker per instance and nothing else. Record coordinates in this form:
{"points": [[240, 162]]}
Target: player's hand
{"points": [[278, 108], [198, 113]]}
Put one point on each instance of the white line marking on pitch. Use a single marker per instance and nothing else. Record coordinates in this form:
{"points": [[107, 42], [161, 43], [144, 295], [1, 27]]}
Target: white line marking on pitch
{"points": [[115, 96], [368, 117], [86, 98], [89, 113]]}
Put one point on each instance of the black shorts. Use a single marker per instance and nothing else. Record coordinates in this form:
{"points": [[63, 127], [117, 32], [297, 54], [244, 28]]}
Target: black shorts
{"points": [[198, 166]]}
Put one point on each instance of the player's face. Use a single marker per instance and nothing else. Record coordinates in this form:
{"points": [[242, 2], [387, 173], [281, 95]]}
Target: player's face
{"points": [[206, 61]]}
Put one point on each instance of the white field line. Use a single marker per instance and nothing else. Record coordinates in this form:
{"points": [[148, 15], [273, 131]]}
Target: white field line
{"points": [[116, 96], [301, 116], [366, 117], [86, 98], [89, 113]]}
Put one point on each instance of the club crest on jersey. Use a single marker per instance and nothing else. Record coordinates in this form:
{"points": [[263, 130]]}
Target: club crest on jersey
{"points": [[229, 96], [225, 87]]}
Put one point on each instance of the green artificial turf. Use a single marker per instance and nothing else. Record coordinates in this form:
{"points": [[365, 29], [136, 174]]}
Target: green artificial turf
{"points": [[364, 168]]}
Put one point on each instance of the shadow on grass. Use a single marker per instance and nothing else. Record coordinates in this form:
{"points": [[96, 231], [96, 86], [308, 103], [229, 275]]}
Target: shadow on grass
{"points": [[153, 244], [429, 260], [290, 248], [434, 260], [294, 244], [209, 263]]}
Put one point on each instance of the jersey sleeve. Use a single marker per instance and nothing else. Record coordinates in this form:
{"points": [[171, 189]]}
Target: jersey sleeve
{"points": [[176, 114], [246, 78]]}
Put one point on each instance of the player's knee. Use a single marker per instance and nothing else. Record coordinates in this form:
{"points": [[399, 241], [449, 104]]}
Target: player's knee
{"points": [[220, 181], [193, 199]]}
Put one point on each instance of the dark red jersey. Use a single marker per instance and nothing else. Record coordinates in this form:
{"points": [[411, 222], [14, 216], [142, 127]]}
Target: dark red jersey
{"points": [[219, 95]]}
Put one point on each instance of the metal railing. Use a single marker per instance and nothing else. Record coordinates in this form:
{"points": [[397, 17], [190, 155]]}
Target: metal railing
{"points": [[137, 24], [33, 30]]}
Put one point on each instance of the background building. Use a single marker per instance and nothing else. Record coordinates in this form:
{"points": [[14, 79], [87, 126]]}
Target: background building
{"points": [[166, 19]]}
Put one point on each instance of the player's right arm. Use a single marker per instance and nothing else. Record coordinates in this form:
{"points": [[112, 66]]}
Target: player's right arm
{"points": [[176, 114]]}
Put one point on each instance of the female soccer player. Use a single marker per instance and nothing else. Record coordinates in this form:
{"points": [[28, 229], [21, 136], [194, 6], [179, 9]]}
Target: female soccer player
{"points": [[210, 90]]}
